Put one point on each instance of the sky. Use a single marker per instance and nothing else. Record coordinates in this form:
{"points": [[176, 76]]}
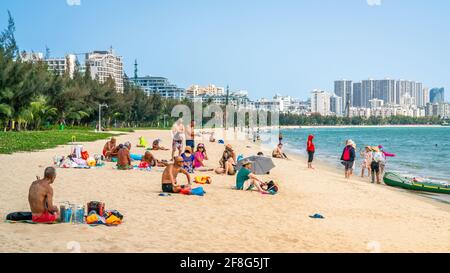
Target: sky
{"points": [[264, 46]]}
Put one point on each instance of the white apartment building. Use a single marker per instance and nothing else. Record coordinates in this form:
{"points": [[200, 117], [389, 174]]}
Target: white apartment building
{"points": [[320, 102], [105, 64], [60, 66], [336, 105]]}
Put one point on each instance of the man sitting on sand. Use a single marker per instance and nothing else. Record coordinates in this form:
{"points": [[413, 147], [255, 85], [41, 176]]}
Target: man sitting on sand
{"points": [[150, 160], [124, 158], [278, 152], [169, 176], [245, 179], [40, 197], [109, 148], [157, 147]]}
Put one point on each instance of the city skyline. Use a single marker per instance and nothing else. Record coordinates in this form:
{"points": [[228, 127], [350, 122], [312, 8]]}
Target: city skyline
{"points": [[263, 47]]}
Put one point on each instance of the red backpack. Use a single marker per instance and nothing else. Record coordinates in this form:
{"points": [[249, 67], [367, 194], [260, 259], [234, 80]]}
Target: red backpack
{"points": [[346, 156]]}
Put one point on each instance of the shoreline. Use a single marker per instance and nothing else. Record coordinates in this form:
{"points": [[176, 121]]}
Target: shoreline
{"points": [[358, 126], [227, 221]]}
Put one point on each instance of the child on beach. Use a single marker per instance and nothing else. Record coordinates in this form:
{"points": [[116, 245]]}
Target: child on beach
{"points": [[367, 155], [188, 158]]}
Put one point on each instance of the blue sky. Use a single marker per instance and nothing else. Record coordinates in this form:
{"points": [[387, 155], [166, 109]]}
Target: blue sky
{"points": [[286, 46]]}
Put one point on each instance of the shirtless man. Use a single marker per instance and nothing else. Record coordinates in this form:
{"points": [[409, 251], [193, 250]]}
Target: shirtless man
{"points": [[178, 132], [109, 148], [152, 161], [278, 152], [40, 197], [123, 157], [157, 147], [169, 176]]}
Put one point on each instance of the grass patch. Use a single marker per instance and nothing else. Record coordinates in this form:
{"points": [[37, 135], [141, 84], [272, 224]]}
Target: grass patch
{"points": [[11, 142]]}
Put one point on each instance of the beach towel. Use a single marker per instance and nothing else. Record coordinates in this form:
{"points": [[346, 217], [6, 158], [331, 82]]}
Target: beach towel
{"points": [[136, 157], [203, 179]]}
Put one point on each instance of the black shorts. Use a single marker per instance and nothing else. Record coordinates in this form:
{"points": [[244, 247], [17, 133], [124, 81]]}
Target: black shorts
{"points": [[310, 156], [375, 166], [190, 143], [348, 165], [167, 188]]}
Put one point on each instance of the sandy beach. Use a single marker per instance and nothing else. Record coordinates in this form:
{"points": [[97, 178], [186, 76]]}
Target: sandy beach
{"points": [[359, 216]]}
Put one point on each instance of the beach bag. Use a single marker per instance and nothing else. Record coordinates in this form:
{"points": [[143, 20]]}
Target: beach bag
{"points": [[19, 216], [198, 191], [346, 156], [113, 220], [272, 187], [96, 206], [203, 179]]}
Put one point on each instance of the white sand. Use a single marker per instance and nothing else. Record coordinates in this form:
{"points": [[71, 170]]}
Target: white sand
{"points": [[360, 217]]}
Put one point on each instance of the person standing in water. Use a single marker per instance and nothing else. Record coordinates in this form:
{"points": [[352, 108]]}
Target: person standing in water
{"points": [[310, 149], [348, 158]]}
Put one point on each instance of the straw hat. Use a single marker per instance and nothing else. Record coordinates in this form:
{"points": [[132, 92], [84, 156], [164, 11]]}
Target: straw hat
{"points": [[188, 149], [351, 142], [376, 149], [245, 162]]}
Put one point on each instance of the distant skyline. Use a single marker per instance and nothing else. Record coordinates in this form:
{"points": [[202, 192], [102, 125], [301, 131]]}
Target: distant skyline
{"points": [[289, 47]]}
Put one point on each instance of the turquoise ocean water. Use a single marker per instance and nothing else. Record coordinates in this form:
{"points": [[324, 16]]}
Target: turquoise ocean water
{"points": [[420, 151]]}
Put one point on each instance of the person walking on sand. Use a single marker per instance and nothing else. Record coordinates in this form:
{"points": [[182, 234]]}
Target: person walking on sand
{"points": [[40, 198], [178, 131], [348, 158], [169, 176], [366, 164], [310, 149]]}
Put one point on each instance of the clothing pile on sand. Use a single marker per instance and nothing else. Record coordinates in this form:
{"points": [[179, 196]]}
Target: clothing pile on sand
{"points": [[78, 158]]}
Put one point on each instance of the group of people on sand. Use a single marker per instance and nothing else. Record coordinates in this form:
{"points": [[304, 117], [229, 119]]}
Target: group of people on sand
{"points": [[374, 161]]}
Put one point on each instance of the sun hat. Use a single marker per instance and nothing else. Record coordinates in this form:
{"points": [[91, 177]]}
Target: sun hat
{"points": [[188, 149], [201, 145], [376, 149], [246, 162]]}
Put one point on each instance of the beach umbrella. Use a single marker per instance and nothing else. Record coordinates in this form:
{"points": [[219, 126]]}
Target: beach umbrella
{"points": [[260, 164]]}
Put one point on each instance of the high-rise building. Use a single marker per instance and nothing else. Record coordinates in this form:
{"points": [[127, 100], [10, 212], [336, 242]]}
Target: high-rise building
{"points": [[437, 95], [426, 96], [106, 64], [384, 90], [320, 102], [161, 86], [357, 94], [367, 92], [336, 105], [344, 89]]}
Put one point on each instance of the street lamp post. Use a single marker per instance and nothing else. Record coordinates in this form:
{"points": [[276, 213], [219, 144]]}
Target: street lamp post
{"points": [[100, 115]]}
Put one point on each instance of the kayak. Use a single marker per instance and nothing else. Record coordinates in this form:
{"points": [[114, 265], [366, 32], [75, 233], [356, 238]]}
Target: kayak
{"points": [[396, 180]]}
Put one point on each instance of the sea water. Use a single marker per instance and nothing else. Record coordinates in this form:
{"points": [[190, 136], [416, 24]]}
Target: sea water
{"points": [[420, 151]]}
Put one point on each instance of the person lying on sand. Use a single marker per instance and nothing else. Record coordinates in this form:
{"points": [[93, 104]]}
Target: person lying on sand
{"points": [[278, 152], [227, 162], [152, 161], [40, 197], [169, 176], [245, 179], [124, 158], [109, 148], [157, 147]]}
